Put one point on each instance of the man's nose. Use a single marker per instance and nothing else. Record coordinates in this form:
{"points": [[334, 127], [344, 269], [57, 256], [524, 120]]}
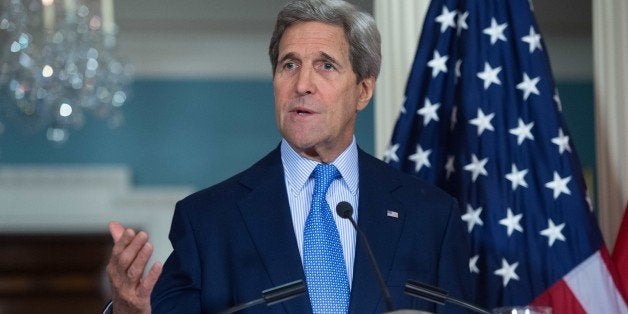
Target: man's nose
{"points": [[305, 81]]}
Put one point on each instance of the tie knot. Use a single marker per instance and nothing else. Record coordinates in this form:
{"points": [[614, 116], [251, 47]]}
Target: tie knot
{"points": [[324, 174]]}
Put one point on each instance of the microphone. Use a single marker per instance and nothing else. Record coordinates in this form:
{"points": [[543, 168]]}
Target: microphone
{"points": [[345, 210], [437, 295], [273, 295]]}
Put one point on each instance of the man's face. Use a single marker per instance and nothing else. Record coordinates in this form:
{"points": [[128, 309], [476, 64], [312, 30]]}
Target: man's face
{"points": [[317, 95]]}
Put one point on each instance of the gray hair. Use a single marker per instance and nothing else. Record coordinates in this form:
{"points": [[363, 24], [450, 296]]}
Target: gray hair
{"points": [[364, 41]]}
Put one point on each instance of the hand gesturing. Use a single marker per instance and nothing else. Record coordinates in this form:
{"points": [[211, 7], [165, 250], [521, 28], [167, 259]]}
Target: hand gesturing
{"points": [[129, 257]]}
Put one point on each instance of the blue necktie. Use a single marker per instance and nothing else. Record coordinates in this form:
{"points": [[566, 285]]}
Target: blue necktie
{"points": [[323, 261]]}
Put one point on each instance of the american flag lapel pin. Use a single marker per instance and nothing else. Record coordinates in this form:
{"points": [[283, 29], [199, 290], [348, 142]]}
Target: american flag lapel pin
{"points": [[392, 213]]}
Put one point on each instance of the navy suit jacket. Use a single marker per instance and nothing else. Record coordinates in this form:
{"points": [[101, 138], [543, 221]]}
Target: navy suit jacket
{"points": [[235, 239]]}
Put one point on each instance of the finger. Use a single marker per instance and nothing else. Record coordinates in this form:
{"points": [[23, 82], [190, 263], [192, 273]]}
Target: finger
{"points": [[136, 269], [129, 253], [116, 271], [125, 239], [116, 229], [148, 283]]}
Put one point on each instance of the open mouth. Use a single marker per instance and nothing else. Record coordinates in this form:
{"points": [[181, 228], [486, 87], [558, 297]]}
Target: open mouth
{"points": [[302, 112]]}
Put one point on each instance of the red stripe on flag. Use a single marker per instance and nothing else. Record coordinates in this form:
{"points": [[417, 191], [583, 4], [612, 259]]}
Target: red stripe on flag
{"points": [[616, 274], [620, 256], [560, 298]]}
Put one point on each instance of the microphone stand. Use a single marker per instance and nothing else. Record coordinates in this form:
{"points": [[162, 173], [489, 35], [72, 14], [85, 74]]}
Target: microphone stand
{"points": [[345, 210], [272, 296], [413, 288], [437, 295]]}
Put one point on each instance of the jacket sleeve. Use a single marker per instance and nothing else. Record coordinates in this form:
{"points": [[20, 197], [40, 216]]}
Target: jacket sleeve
{"points": [[453, 270], [178, 289]]}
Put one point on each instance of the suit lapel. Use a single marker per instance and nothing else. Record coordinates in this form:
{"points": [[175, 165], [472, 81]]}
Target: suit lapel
{"points": [[267, 216], [266, 213], [381, 228]]}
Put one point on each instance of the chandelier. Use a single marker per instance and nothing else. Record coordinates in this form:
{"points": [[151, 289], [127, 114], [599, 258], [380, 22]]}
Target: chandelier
{"points": [[58, 65]]}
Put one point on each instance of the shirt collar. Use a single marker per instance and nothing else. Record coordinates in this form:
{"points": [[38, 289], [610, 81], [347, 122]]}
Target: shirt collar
{"points": [[298, 169]]}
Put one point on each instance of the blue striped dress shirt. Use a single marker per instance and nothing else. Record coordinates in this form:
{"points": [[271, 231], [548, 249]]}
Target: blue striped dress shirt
{"points": [[300, 186]]}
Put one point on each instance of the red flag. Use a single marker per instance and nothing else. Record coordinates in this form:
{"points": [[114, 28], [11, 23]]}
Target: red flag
{"points": [[620, 254]]}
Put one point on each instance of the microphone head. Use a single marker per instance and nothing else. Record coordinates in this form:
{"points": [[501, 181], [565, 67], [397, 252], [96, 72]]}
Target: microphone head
{"points": [[344, 209]]}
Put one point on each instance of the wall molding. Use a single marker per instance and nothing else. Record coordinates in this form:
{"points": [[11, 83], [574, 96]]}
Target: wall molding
{"points": [[83, 199]]}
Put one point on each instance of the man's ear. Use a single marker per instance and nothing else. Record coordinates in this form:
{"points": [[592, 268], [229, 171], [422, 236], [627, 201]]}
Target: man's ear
{"points": [[367, 86]]}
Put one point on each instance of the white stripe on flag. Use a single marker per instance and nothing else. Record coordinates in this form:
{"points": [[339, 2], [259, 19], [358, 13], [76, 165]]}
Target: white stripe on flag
{"points": [[593, 285]]}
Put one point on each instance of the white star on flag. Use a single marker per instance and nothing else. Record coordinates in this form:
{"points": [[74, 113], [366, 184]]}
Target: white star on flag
{"points": [[523, 131], [533, 39], [462, 21], [420, 158], [476, 167], [473, 264], [562, 141], [553, 232], [589, 202], [559, 105], [512, 222], [483, 122], [472, 217], [528, 86], [454, 117], [449, 166], [429, 111], [559, 185], [516, 177], [496, 31], [403, 105], [391, 153], [446, 19], [489, 75], [507, 272], [438, 63], [457, 70]]}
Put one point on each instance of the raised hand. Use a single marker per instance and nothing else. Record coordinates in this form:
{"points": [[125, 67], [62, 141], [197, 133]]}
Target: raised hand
{"points": [[129, 257]]}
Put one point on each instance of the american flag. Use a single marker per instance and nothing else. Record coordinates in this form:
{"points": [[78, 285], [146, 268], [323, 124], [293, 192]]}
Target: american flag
{"points": [[482, 119]]}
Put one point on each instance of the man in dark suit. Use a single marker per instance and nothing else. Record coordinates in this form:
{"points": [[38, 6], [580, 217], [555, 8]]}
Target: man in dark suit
{"points": [[256, 230]]}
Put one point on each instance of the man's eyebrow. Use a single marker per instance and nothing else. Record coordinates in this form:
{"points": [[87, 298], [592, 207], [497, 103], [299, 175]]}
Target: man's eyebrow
{"points": [[288, 56], [323, 55]]}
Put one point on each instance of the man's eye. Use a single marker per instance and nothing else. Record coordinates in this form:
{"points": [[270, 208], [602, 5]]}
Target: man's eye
{"points": [[328, 66], [289, 65]]}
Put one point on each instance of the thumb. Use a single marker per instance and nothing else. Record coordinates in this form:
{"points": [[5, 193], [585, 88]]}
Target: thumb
{"points": [[116, 229]]}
